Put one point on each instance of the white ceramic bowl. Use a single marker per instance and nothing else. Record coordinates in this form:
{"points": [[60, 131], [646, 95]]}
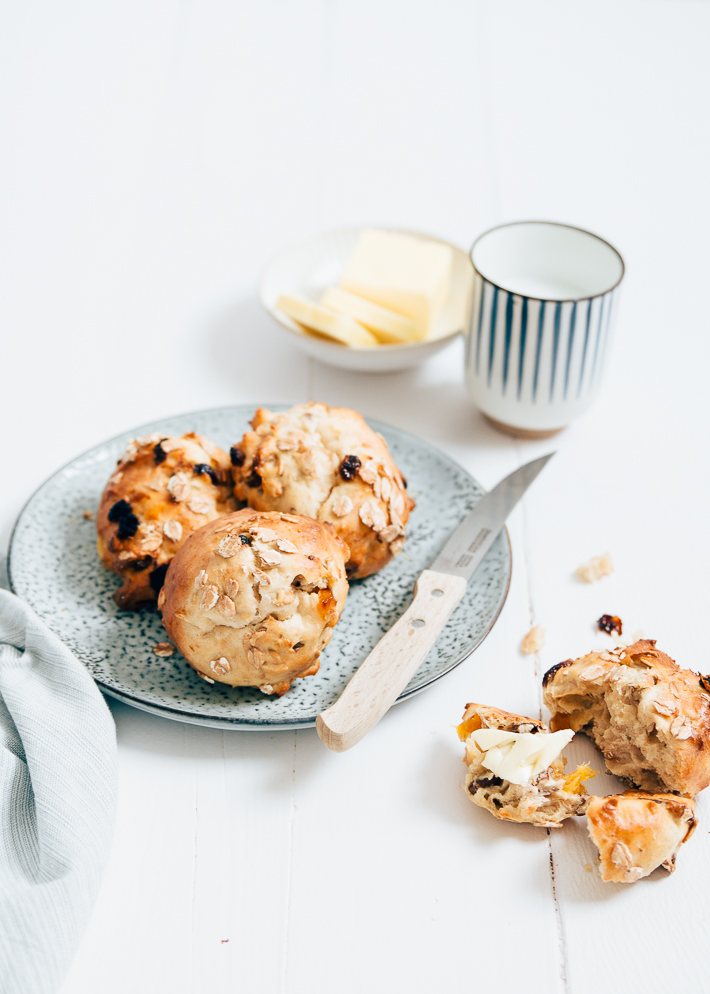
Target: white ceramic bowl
{"points": [[306, 270]]}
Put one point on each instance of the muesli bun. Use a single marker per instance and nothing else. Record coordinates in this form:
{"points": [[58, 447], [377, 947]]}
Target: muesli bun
{"points": [[163, 489], [637, 832], [535, 789], [650, 719], [328, 464], [251, 599]]}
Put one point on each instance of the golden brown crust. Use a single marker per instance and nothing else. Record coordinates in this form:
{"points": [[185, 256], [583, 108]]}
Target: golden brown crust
{"points": [[544, 801], [162, 490], [491, 717], [327, 463], [650, 718], [251, 599], [636, 832]]}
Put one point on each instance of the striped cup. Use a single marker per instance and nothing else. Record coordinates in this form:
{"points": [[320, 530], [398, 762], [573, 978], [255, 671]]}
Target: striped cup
{"points": [[543, 308]]}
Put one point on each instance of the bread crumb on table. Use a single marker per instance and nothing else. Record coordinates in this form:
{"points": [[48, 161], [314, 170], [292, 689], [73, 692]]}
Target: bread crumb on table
{"points": [[596, 568], [89, 515], [533, 641]]}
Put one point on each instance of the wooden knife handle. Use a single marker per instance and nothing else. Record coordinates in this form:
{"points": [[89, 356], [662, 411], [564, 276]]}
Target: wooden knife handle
{"points": [[382, 677]]}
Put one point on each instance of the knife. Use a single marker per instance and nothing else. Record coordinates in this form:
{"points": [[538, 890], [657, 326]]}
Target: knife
{"points": [[384, 674]]}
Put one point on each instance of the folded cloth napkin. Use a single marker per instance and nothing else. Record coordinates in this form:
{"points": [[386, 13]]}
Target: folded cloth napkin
{"points": [[58, 782]]}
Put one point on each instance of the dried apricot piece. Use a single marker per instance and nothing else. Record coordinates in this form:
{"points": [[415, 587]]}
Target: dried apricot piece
{"points": [[575, 779]]}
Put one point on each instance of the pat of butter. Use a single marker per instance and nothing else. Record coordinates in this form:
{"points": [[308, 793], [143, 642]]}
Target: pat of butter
{"points": [[340, 327], [519, 756], [409, 275], [387, 326]]}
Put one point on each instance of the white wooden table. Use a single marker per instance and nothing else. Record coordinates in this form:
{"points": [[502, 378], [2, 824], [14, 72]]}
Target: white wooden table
{"points": [[155, 154]]}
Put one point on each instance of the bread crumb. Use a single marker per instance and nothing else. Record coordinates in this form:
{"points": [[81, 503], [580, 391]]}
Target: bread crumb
{"points": [[89, 515], [588, 867], [533, 641], [164, 649], [596, 568]]}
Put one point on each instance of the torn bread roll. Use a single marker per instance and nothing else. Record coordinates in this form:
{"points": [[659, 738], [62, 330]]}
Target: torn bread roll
{"points": [[637, 832], [252, 599], [650, 719], [514, 770], [327, 463]]}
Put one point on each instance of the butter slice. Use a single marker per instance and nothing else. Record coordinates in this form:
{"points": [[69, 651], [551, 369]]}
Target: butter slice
{"points": [[340, 327], [386, 325], [409, 275], [518, 757]]}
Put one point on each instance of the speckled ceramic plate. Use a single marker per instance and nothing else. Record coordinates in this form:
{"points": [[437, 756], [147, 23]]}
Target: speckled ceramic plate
{"points": [[54, 567]]}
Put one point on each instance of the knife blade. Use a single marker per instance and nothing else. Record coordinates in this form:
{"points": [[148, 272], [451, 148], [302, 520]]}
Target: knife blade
{"points": [[380, 679], [470, 541]]}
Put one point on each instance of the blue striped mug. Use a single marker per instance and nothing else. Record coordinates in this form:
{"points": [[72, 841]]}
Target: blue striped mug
{"points": [[544, 302]]}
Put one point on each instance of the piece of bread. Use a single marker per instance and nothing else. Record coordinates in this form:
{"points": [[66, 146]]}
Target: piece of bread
{"points": [[162, 490], [546, 799], [251, 599], [637, 832], [327, 463], [650, 718]]}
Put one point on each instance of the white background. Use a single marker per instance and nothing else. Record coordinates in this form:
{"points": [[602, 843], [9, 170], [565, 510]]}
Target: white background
{"points": [[155, 154]]}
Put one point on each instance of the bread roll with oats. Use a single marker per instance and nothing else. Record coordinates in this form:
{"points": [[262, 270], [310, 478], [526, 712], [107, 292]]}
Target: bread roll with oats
{"points": [[162, 490], [514, 769], [327, 463], [650, 718], [637, 832], [250, 600]]}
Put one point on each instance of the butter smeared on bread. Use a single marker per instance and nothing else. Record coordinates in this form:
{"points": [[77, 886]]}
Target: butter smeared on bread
{"points": [[514, 770]]}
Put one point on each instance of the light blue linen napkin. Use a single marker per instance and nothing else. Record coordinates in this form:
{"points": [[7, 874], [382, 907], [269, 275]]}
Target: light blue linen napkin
{"points": [[58, 785]]}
